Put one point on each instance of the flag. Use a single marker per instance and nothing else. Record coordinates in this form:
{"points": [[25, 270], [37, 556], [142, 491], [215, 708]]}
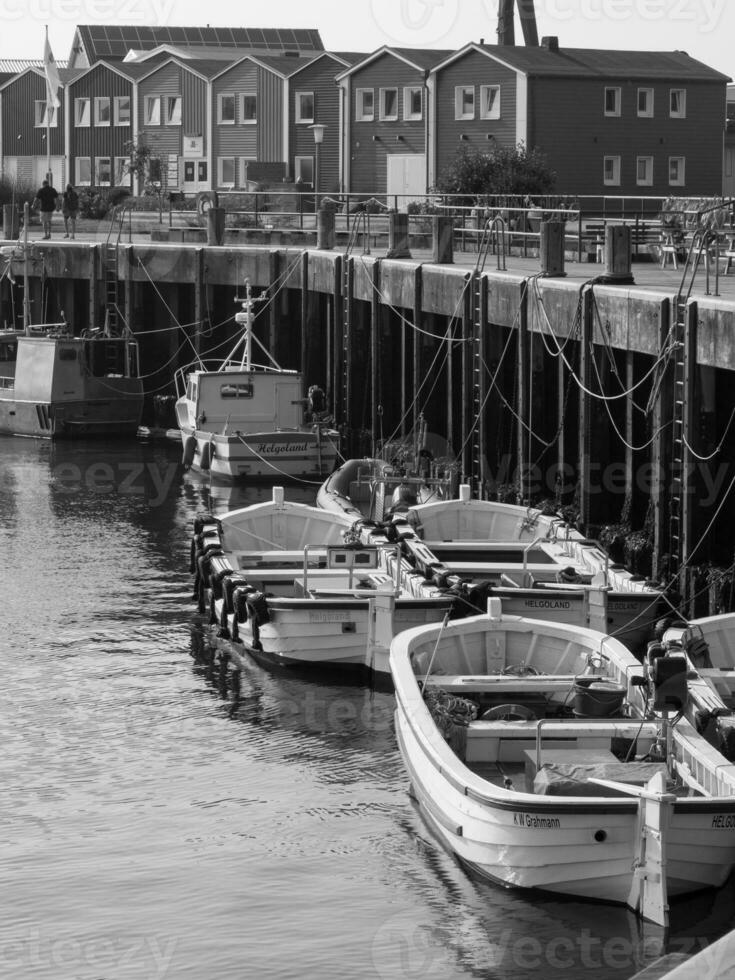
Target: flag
{"points": [[53, 82]]}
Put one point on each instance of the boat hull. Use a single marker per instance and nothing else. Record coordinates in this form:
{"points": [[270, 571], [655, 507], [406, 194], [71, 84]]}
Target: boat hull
{"points": [[553, 847], [287, 454], [115, 415]]}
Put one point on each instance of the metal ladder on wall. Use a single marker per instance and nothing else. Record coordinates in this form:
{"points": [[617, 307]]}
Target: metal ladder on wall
{"points": [[477, 475], [110, 269], [682, 384]]}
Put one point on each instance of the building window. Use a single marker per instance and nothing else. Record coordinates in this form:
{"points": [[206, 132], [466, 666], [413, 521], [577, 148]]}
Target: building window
{"points": [[645, 102], [304, 107], [612, 101], [464, 102], [103, 171], [644, 171], [102, 111], [81, 113], [611, 171], [83, 170], [248, 108], [173, 110], [244, 164], [413, 105], [678, 103], [489, 102], [226, 109], [152, 110], [45, 115], [304, 170], [365, 105], [677, 168], [226, 171], [388, 107], [123, 177], [122, 110]]}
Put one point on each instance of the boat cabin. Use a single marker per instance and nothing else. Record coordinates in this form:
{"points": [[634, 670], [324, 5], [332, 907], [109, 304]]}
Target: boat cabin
{"points": [[57, 368], [244, 400]]}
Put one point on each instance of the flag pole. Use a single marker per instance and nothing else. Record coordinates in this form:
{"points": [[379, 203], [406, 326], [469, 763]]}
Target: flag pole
{"points": [[48, 127]]}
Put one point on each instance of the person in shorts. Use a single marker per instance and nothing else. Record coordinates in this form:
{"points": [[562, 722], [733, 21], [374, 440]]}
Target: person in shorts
{"points": [[70, 209]]}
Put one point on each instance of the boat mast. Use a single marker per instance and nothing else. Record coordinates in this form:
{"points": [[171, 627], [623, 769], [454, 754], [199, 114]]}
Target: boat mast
{"points": [[245, 319], [26, 297]]}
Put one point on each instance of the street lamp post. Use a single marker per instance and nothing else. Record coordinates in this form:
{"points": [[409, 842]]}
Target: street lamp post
{"points": [[318, 131]]}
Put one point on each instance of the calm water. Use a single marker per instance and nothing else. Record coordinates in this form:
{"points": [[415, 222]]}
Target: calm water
{"points": [[153, 828]]}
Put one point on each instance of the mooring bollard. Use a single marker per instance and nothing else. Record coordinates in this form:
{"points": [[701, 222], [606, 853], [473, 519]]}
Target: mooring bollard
{"points": [[325, 228], [551, 250], [443, 239], [398, 236], [215, 226], [618, 254]]}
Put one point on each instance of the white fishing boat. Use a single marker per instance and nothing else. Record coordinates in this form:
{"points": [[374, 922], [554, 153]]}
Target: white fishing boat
{"points": [[545, 756], [54, 385], [239, 419], [538, 565], [284, 582]]}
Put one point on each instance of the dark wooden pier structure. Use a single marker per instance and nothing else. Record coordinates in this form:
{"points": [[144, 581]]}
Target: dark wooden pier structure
{"points": [[607, 392]]}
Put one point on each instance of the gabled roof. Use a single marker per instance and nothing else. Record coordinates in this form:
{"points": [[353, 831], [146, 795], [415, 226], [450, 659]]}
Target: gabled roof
{"points": [[325, 54], [131, 71], [105, 41], [14, 66], [180, 51], [205, 69], [593, 63], [422, 59]]}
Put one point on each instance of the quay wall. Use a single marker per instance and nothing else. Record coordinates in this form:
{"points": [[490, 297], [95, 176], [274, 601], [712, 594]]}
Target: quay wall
{"points": [[560, 389]]}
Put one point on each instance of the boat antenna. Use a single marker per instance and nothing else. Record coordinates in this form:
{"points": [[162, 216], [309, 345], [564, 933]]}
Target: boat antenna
{"points": [[245, 319]]}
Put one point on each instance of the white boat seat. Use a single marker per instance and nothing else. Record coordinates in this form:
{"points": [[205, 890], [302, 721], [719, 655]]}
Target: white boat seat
{"points": [[500, 684]]}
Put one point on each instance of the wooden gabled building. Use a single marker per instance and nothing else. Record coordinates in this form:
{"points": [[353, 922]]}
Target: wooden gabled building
{"points": [[386, 113], [643, 123]]}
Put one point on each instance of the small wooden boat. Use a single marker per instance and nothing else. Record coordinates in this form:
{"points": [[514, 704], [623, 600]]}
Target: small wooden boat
{"points": [[539, 566], [546, 756], [280, 581], [240, 419], [54, 385]]}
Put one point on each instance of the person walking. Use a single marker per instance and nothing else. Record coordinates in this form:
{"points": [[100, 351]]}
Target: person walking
{"points": [[69, 209], [47, 199]]}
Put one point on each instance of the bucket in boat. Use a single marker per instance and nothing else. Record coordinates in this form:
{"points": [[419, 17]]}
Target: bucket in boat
{"points": [[597, 697]]}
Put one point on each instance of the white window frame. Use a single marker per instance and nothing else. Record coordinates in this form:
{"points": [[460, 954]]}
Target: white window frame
{"points": [[409, 113], [99, 102], [647, 179], [78, 171], [680, 180], [647, 111], [45, 115], [383, 114], [493, 112], [361, 113], [97, 168], [459, 94], [617, 99], [82, 114], [614, 180], [221, 120], [305, 118], [152, 110], [248, 121], [681, 112], [221, 182], [119, 100], [173, 110], [121, 175], [297, 163]]}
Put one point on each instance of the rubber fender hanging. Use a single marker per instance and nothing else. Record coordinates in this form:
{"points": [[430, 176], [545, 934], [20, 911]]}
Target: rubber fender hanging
{"points": [[205, 459], [224, 628], [190, 448], [206, 200], [217, 580], [240, 602], [206, 521], [258, 608]]}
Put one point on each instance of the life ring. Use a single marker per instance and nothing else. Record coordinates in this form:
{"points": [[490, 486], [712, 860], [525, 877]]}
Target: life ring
{"points": [[205, 457], [205, 201], [190, 448]]}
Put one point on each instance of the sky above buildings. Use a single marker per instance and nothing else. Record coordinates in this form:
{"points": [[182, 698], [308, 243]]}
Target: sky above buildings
{"points": [[702, 28]]}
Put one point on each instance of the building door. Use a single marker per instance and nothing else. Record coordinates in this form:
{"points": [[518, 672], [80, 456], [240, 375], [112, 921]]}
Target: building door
{"points": [[40, 169], [406, 177], [196, 175]]}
